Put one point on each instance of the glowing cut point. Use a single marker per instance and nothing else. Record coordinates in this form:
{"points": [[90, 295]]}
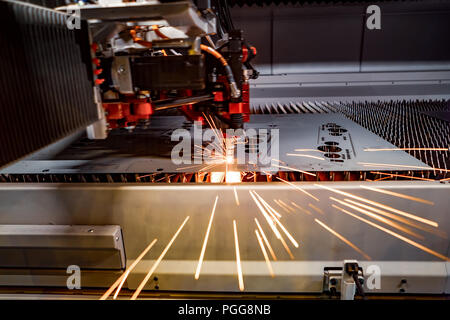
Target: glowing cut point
{"points": [[233, 177], [217, 177]]}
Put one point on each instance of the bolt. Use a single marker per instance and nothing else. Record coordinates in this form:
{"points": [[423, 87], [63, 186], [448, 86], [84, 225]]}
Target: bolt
{"points": [[333, 281]]}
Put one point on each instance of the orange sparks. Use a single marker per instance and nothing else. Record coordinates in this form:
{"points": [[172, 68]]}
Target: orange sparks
{"points": [[121, 280], [407, 149], [205, 241], [370, 164], [269, 208], [301, 209], [446, 179], [157, 262], [316, 208], [379, 218], [401, 219], [287, 249], [238, 258], [298, 188], [261, 231], [399, 195], [392, 233], [304, 155], [342, 238], [280, 205], [236, 196], [401, 176], [380, 205], [266, 257], [284, 230], [286, 205], [266, 216]]}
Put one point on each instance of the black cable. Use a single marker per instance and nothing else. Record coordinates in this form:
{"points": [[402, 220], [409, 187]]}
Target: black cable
{"points": [[358, 285]]}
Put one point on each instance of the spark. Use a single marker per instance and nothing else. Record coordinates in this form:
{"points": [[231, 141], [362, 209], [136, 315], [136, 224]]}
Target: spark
{"points": [[402, 176], [280, 205], [238, 258], [370, 164], [157, 262], [315, 208], [286, 205], [400, 195], [298, 188], [269, 208], [379, 218], [189, 167], [446, 179], [304, 155], [266, 216], [236, 196], [120, 281], [380, 205], [205, 242], [266, 257], [294, 169], [229, 159], [284, 230], [407, 149], [301, 209], [401, 219], [392, 233], [380, 179], [265, 240], [287, 249], [339, 236]]}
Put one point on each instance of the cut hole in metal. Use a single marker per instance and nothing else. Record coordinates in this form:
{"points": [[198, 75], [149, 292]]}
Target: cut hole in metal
{"points": [[332, 155], [329, 148]]}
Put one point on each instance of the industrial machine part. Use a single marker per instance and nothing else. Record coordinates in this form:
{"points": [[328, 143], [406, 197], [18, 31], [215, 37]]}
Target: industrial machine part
{"points": [[358, 117]]}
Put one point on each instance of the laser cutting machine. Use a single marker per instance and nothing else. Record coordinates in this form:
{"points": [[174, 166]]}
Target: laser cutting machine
{"points": [[355, 203]]}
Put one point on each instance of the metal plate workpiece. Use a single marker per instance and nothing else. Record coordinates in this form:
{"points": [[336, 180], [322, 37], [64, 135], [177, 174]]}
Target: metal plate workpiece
{"points": [[331, 142]]}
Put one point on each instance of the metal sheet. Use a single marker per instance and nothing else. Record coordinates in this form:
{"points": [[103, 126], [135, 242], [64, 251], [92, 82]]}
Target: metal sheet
{"points": [[330, 131], [146, 212], [151, 148]]}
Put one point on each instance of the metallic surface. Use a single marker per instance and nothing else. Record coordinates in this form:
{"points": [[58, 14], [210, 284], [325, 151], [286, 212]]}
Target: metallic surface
{"points": [[58, 246], [144, 213], [181, 14], [155, 156]]}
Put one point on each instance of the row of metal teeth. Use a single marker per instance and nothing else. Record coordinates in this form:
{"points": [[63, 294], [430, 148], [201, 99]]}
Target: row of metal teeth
{"points": [[402, 123], [205, 177]]}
